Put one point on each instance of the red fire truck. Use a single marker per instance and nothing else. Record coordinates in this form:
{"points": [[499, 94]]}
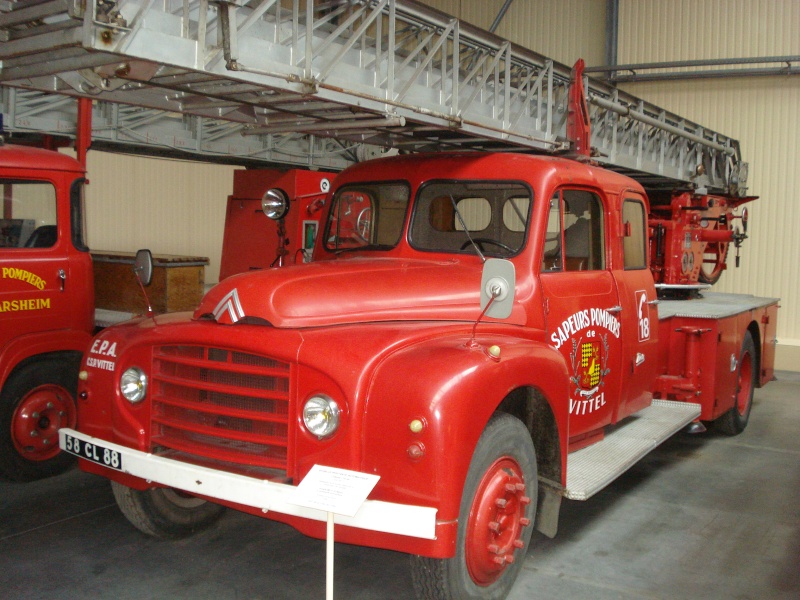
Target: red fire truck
{"points": [[481, 330], [46, 307]]}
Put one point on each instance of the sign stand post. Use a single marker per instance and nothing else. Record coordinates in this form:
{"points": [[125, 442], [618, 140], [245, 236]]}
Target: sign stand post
{"points": [[335, 491], [329, 559]]}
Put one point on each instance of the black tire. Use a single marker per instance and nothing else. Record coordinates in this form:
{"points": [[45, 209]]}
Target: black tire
{"points": [[36, 401], [735, 420], [165, 512], [493, 536]]}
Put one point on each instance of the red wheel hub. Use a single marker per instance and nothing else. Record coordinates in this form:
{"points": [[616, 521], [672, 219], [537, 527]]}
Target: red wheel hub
{"points": [[39, 416], [496, 521], [744, 384]]}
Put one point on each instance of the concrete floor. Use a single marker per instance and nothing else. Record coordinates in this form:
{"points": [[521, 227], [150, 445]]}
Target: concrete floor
{"points": [[702, 517]]}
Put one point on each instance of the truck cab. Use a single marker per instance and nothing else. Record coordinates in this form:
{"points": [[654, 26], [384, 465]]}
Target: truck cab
{"points": [[46, 307]]}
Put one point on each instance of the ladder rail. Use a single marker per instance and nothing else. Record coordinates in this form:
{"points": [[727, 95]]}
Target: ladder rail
{"points": [[392, 73]]}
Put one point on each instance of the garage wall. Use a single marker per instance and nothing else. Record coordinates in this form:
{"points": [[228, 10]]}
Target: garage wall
{"points": [[169, 206], [761, 112]]}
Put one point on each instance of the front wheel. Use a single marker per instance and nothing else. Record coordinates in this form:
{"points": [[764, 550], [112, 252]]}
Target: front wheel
{"points": [[165, 512], [735, 420], [36, 401], [494, 523]]}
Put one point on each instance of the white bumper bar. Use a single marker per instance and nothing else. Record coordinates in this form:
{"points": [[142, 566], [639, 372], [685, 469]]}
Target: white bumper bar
{"points": [[375, 515]]}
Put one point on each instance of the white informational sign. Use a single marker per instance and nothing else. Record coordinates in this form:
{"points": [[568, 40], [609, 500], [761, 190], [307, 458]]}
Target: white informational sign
{"points": [[334, 490]]}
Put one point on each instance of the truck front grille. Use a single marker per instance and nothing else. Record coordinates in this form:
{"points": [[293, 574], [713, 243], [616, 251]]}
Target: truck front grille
{"points": [[219, 404]]}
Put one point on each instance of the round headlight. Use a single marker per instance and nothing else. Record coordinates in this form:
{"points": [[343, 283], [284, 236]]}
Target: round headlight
{"points": [[133, 385], [321, 415], [275, 204]]}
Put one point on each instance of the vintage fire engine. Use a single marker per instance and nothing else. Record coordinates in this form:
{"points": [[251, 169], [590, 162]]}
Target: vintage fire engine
{"points": [[46, 307], [482, 331]]}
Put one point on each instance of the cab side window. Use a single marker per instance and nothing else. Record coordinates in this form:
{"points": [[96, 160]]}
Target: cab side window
{"points": [[27, 214], [634, 243], [575, 239], [584, 247], [554, 240]]}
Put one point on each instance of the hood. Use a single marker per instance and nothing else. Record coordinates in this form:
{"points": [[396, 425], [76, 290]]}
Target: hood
{"points": [[352, 290]]}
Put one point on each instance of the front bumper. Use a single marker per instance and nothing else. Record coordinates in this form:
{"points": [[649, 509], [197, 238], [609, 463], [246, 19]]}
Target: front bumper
{"points": [[374, 515]]}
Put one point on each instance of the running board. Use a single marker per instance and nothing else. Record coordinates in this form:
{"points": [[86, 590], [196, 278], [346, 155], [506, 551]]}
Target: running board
{"points": [[591, 469]]}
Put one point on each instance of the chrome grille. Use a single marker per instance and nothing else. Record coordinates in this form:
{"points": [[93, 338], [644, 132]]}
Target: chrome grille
{"points": [[221, 404]]}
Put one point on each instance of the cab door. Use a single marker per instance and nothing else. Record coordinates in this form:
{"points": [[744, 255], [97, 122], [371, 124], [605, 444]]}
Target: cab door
{"points": [[582, 309], [639, 315], [34, 266]]}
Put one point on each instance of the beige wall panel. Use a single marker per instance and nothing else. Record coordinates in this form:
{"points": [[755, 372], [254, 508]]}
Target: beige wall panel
{"points": [[169, 206], [658, 30], [761, 112], [564, 30]]}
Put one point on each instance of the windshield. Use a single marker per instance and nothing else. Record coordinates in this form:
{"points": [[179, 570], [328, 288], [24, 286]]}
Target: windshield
{"points": [[367, 215], [485, 218]]}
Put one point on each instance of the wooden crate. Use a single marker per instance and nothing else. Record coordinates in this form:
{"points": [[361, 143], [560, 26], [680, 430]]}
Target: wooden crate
{"points": [[178, 282]]}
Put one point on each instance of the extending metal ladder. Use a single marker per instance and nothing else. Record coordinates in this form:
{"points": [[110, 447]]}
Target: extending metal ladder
{"points": [[383, 73]]}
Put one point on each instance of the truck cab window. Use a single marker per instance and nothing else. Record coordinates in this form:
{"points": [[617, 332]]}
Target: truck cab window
{"points": [[367, 216], [551, 259], [470, 217], [579, 215], [78, 214], [28, 216], [584, 249], [633, 244]]}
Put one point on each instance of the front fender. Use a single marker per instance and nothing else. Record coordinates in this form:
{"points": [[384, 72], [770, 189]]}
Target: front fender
{"points": [[452, 388], [26, 346]]}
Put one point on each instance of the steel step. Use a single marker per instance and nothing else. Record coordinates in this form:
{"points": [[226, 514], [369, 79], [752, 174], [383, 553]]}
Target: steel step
{"points": [[591, 469]]}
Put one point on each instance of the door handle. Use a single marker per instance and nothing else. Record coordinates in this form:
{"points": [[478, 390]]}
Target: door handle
{"points": [[614, 309], [62, 276]]}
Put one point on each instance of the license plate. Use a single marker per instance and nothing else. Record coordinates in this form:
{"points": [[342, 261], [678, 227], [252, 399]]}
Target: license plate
{"points": [[93, 452]]}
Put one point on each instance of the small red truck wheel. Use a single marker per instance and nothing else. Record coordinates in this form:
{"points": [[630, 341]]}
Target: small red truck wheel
{"points": [[735, 420], [37, 400], [165, 512], [495, 521]]}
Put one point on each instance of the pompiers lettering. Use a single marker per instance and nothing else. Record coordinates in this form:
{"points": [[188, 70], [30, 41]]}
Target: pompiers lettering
{"points": [[23, 275]]}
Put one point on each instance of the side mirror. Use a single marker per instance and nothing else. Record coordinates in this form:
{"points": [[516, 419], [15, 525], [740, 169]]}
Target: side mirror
{"points": [[143, 266], [497, 286]]}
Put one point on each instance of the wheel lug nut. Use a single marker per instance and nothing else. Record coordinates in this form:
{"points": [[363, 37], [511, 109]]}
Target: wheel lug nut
{"points": [[501, 502], [519, 544], [34, 433], [500, 560], [35, 415], [50, 405], [524, 500], [524, 522], [45, 441], [494, 526], [494, 549]]}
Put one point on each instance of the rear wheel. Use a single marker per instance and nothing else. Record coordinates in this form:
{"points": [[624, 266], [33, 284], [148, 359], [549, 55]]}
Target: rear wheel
{"points": [[37, 400], [495, 520], [165, 512], [735, 420]]}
